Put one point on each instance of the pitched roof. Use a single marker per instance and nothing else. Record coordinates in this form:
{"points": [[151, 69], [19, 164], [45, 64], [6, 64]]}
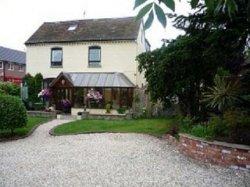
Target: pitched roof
{"points": [[12, 55], [96, 79], [105, 29]]}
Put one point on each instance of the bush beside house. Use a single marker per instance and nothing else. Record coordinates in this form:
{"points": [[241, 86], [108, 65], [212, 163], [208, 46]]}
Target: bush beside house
{"points": [[13, 113], [34, 84], [9, 89]]}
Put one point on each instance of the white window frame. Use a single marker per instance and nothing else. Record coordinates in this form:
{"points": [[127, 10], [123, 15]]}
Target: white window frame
{"points": [[11, 66], [1, 62], [20, 67]]}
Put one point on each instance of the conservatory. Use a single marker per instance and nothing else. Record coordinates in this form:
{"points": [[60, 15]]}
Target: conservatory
{"points": [[91, 90]]}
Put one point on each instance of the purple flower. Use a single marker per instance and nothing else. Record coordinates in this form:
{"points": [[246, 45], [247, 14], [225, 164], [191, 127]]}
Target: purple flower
{"points": [[45, 94], [65, 103], [95, 95]]}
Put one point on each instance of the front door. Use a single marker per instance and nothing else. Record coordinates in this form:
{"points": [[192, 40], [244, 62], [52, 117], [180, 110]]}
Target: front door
{"points": [[62, 94]]}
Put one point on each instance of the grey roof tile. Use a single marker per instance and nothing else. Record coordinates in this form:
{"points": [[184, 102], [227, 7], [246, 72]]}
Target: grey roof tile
{"points": [[11, 55], [105, 29]]}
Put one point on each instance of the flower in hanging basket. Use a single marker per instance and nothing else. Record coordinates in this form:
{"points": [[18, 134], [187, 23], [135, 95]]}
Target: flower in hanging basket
{"points": [[45, 94], [94, 95]]}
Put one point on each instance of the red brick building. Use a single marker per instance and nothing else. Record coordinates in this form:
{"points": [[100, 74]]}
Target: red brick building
{"points": [[12, 65]]}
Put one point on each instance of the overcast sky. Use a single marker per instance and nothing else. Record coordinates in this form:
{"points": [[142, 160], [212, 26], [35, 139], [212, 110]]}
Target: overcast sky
{"points": [[19, 19]]}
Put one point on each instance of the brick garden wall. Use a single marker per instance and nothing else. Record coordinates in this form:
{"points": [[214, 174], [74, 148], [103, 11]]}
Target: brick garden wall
{"points": [[221, 153]]}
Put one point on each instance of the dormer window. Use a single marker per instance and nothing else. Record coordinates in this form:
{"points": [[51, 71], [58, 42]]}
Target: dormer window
{"points": [[56, 57], [94, 56], [72, 27]]}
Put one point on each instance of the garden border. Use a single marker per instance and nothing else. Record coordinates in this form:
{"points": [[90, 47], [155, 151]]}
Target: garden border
{"points": [[26, 135], [234, 156]]}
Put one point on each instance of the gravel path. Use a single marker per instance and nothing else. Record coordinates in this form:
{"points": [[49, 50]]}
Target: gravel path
{"points": [[105, 160]]}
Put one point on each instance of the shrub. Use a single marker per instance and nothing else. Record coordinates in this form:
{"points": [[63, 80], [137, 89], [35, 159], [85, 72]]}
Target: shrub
{"points": [[34, 87], [108, 108], [121, 110], [218, 126], [38, 106], [13, 113], [238, 126], [185, 124], [202, 131], [223, 94], [9, 89]]}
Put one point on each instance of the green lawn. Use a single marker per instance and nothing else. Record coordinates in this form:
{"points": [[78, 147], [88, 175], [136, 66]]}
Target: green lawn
{"points": [[155, 127], [19, 132]]}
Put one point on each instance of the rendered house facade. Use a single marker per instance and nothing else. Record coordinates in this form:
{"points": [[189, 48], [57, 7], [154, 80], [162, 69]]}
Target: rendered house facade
{"points": [[12, 65], [93, 54]]}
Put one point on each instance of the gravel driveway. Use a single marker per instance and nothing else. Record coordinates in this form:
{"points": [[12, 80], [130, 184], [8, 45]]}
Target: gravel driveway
{"points": [[105, 160]]}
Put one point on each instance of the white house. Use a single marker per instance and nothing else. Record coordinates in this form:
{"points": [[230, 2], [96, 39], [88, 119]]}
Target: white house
{"points": [[75, 57]]}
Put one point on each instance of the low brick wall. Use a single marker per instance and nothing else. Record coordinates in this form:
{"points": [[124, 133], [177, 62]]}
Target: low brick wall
{"points": [[225, 154], [109, 116], [42, 114]]}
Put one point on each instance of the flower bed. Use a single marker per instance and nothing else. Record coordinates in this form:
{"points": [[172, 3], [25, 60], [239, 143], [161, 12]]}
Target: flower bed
{"points": [[225, 154]]}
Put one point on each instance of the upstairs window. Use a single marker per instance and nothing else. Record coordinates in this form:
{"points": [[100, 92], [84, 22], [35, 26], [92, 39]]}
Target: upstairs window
{"points": [[1, 65], [95, 56], [56, 57]]}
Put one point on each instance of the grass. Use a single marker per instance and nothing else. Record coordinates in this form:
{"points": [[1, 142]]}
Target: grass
{"points": [[20, 132], [155, 127]]}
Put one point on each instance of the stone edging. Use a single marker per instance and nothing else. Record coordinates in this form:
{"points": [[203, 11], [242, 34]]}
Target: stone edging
{"points": [[26, 135], [235, 156]]}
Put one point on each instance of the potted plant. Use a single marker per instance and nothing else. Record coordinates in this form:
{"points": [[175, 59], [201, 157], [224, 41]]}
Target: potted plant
{"points": [[94, 96], [45, 94], [66, 105]]}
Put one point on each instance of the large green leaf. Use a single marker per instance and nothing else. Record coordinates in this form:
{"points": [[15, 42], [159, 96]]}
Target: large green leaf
{"points": [[160, 15], [150, 19], [138, 3], [169, 3], [194, 3], [144, 11]]}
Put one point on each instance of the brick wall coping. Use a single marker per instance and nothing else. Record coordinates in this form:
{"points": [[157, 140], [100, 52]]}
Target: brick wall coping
{"points": [[41, 113], [224, 144]]}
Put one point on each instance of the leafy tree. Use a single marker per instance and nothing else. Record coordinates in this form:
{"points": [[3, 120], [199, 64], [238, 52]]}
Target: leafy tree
{"points": [[34, 86], [186, 66], [176, 70], [155, 7], [226, 38]]}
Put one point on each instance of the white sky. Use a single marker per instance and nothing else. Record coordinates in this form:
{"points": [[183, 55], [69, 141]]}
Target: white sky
{"points": [[19, 19]]}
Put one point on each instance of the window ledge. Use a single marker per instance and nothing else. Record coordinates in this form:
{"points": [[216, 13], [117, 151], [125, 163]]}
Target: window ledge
{"points": [[94, 65], [56, 66]]}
